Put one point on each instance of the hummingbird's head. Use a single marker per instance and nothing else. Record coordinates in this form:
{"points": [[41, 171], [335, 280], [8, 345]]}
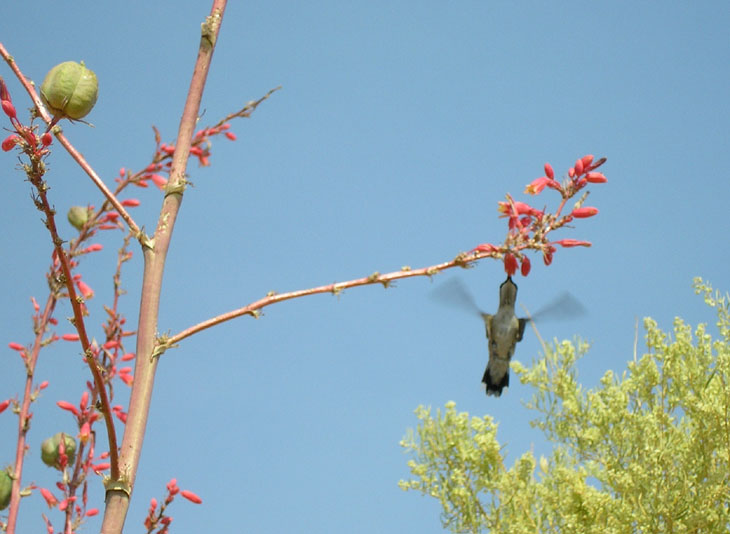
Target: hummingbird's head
{"points": [[508, 293]]}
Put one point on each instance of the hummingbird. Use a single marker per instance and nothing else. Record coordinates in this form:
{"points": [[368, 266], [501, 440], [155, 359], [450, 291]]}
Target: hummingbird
{"points": [[504, 329]]}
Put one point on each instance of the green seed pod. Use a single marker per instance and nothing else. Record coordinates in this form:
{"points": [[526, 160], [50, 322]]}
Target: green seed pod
{"points": [[70, 90], [78, 216], [6, 485], [49, 450]]}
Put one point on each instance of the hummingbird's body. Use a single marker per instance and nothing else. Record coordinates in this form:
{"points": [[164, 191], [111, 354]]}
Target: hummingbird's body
{"points": [[504, 330]]}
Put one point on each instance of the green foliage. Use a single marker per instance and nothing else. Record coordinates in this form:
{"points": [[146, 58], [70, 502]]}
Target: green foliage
{"points": [[648, 451]]}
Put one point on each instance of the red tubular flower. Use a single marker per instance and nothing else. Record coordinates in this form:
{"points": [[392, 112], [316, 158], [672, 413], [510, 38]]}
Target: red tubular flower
{"points": [[484, 247], [192, 497], [68, 407], [572, 243], [46, 139], [231, 136], [537, 185], [70, 337], [43, 385], [92, 512], [525, 267], [100, 467], [8, 108], [131, 202], [578, 167], [85, 432], [86, 291], [582, 213], [159, 181], [172, 487], [547, 254], [596, 178], [510, 264], [128, 356], [549, 171], [48, 496], [9, 142], [16, 346], [587, 160], [4, 405]]}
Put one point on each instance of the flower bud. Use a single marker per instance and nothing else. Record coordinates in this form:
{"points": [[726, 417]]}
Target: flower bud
{"points": [[6, 485], [70, 90], [78, 216], [50, 450]]}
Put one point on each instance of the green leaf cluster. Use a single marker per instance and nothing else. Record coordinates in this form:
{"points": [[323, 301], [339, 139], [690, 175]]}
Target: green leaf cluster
{"points": [[647, 451]]}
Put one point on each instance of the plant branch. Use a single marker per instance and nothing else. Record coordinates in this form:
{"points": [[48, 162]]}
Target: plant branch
{"points": [[464, 260], [155, 253]]}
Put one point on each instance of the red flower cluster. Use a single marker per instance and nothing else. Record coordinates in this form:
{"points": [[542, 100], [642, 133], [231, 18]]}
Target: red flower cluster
{"points": [[528, 227]]}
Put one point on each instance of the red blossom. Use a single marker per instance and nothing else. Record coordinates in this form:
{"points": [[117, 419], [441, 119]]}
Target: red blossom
{"points": [[96, 247], [16, 346], [172, 487], [68, 407], [587, 160], [43, 385], [86, 291], [159, 181], [525, 267], [510, 264], [537, 185], [582, 213], [549, 171], [35, 304], [547, 255], [484, 247], [8, 108], [84, 400], [192, 497], [131, 202], [46, 139], [4, 405], [100, 467], [596, 178], [48, 496], [572, 243], [111, 344], [231, 136], [85, 432], [92, 512], [128, 356], [70, 337], [578, 167], [9, 142]]}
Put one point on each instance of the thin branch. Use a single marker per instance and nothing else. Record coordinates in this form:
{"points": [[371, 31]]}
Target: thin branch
{"points": [[463, 260]]}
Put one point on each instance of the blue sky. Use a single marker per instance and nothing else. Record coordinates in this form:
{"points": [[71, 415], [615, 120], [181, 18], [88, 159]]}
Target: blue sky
{"points": [[398, 129]]}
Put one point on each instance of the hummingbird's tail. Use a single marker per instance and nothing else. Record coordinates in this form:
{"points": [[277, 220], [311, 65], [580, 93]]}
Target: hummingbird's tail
{"points": [[493, 384]]}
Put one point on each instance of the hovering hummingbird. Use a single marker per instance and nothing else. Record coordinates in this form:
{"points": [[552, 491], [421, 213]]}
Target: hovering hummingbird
{"points": [[504, 329]]}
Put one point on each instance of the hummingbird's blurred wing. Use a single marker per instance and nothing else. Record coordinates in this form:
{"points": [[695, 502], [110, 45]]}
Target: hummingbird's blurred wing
{"points": [[453, 293], [564, 306]]}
